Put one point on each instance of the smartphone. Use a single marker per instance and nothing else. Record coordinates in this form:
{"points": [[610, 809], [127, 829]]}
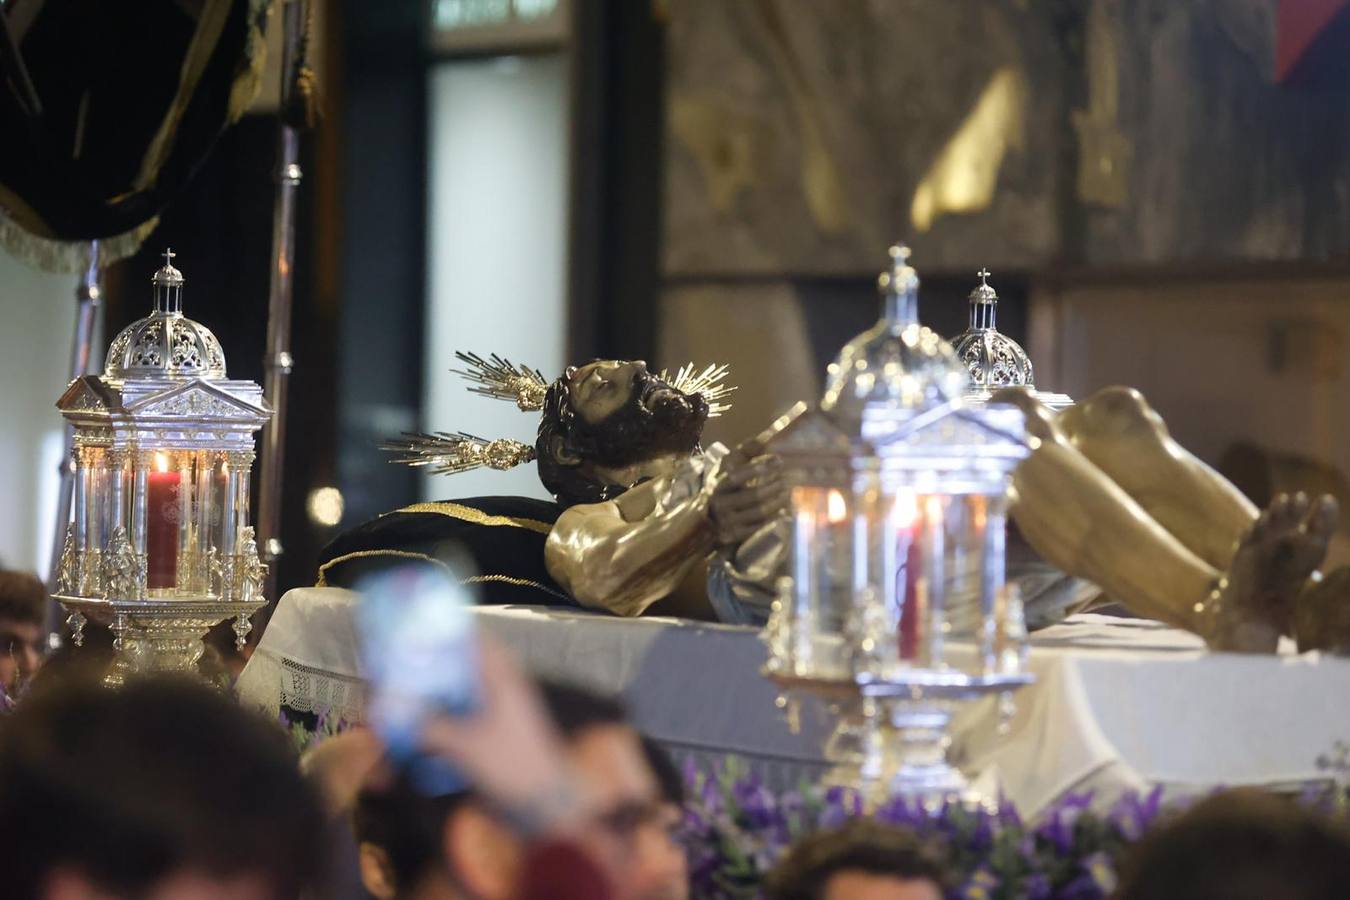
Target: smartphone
{"points": [[419, 651]]}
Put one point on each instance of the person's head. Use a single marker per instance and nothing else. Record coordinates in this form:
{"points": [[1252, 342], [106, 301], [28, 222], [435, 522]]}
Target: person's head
{"points": [[1241, 845], [23, 599], [862, 860], [407, 839], [664, 866], [601, 422], [160, 789]]}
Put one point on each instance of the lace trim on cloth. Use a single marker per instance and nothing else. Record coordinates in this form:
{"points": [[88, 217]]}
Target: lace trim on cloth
{"points": [[478, 517], [275, 682]]}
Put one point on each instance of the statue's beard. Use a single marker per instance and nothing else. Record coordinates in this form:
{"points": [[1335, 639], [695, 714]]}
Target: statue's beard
{"points": [[657, 421]]}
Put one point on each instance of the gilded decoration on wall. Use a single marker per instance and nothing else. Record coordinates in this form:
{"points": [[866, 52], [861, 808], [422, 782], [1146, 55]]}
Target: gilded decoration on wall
{"points": [[963, 177]]}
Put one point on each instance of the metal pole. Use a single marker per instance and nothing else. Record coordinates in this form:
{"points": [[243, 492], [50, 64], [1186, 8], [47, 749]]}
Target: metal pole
{"points": [[89, 300], [277, 363]]}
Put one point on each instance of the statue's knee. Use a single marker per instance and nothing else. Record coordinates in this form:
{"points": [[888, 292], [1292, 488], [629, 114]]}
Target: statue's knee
{"points": [[1112, 411]]}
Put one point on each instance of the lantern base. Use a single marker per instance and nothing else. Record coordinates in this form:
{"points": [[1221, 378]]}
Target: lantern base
{"points": [[157, 634], [892, 737]]}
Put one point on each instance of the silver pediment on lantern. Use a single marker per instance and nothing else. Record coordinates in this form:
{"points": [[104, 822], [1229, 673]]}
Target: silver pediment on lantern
{"points": [[159, 545], [993, 359]]}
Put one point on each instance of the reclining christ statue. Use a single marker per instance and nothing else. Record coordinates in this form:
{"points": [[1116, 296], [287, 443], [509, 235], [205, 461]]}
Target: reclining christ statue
{"points": [[648, 519], [644, 513]]}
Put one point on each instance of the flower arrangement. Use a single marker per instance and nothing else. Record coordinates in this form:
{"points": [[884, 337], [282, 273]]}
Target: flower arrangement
{"points": [[736, 828], [309, 730]]}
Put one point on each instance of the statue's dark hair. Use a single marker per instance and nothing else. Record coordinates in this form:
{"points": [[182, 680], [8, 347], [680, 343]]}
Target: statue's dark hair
{"points": [[567, 483], [631, 434]]}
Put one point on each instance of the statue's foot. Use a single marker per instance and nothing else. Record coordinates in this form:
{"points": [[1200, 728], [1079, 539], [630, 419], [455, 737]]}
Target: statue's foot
{"points": [[1307, 526], [1126, 438], [1274, 560], [1322, 614]]}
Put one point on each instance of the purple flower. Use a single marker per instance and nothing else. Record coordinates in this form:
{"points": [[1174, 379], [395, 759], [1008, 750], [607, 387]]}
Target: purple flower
{"points": [[1133, 815], [980, 886], [1058, 826], [1006, 813], [1037, 887], [736, 828], [758, 804], [1084, 887], [900, 811], [841, 804]]}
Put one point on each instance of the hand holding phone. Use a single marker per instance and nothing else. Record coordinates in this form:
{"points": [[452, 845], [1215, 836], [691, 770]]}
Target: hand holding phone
{"points": [[419, 651]]}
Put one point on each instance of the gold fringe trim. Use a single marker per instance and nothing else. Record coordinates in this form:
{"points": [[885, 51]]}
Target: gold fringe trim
{"points": [[478, 517], [412, 554], [63, 257], [519, 582], [361, 554]]}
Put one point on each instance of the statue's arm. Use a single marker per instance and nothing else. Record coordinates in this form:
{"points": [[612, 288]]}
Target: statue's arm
{"points": [[624, 555]]}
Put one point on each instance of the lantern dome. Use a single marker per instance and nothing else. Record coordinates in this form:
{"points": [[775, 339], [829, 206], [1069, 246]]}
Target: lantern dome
{"points": [[165, 344], [993, 359], [897, 364]]}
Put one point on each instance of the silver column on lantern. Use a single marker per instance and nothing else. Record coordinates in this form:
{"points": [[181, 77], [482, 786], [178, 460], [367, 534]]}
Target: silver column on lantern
{"points": [[895, 608], [159, 547]]}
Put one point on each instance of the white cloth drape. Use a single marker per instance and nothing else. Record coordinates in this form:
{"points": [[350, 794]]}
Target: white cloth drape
{"points": [[1118, 703]]}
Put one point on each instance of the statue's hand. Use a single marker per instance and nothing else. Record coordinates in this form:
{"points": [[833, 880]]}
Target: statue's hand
{"points": [[750, 494]]}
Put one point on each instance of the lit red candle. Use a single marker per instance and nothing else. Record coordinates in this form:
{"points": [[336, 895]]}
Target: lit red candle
{"points": [[908, 548], [909, 608], [161, 525]]}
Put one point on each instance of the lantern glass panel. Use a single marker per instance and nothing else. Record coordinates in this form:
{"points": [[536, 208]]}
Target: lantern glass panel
{"points": [[100, 501], [939, 565], [822, 571], [974, 571], [119, 492]]}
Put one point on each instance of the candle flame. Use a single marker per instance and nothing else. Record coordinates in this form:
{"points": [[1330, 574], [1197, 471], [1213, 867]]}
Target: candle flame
{"points": [[906, 511], [161, 462], [932, 509], [979, 513], [836, 510]]}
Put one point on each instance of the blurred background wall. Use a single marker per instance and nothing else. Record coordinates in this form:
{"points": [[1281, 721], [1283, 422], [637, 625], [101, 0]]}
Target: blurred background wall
{"points": [[1161, 189]]}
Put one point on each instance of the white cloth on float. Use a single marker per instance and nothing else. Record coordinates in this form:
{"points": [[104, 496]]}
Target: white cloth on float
{"points": [[306, 660], [1118, 703]]}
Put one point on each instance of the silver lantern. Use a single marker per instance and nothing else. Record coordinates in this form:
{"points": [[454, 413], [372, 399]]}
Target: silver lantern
{"points": [[993, 359], [895, 609], [159, 547]]}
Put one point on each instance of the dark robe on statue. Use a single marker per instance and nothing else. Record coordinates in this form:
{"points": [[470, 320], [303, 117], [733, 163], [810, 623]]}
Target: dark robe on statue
{"points": [[503, 537]]}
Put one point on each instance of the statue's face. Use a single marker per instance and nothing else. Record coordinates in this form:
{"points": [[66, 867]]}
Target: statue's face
{"points": [[601, 388], [612, 414], [624, 414]]}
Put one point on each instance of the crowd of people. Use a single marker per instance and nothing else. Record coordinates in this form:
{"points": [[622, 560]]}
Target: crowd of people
{"points": [[167, 789]]}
